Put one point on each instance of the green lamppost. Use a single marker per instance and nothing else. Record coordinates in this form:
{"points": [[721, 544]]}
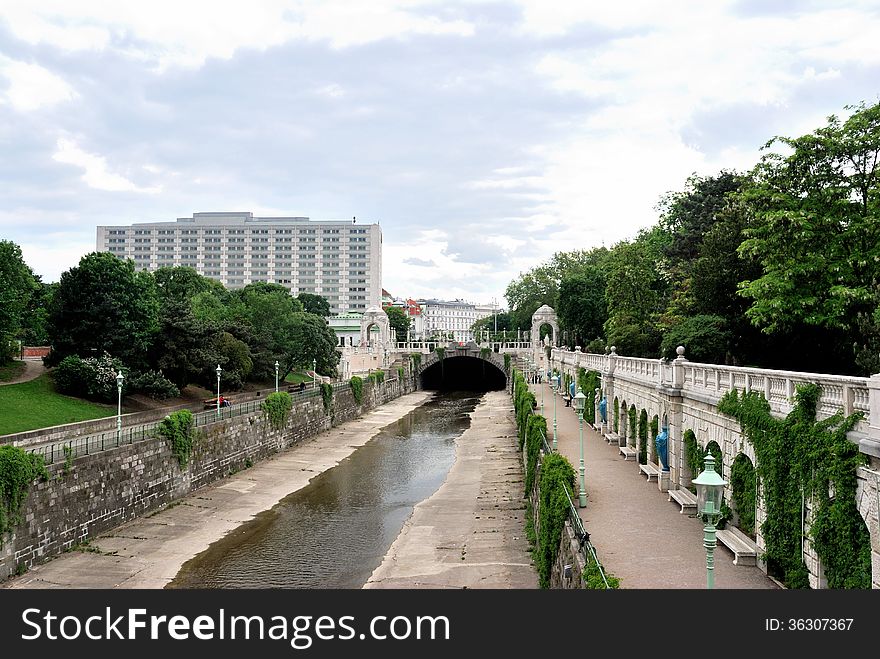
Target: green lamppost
{"points": [[578, 402], [276, 376], [541, 384], [314, 373], [710, 488], [119, 379], [219, 370], [554, 382]]}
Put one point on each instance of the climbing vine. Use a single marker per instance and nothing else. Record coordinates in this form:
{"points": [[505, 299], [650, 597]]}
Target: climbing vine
{"points": [[507, 362], [416, 359], [693, 456], [616, 415], [400, 372], [277, 408], [592, 575], [179, 429], [536, 431], [441, 352], [588, 381], [653, 429], [18, 469], [357, 389], [327, 397], [377, 377], [800, 459], [556, 474], [485, 353], [523, 403], [742, 485], [633, 424]]}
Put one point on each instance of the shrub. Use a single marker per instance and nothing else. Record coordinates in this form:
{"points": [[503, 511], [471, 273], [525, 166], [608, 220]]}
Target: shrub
{"points": [[152, 384], [357, 389], [277, 408], [89, 378], [179, 430]]}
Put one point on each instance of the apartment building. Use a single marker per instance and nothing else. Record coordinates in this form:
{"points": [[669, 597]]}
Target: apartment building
{"points": [[340, 260]]}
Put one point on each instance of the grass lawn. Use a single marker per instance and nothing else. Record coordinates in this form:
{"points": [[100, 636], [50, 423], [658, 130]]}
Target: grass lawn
{"points": [[11, 371], [35, 404], [297, 376]]}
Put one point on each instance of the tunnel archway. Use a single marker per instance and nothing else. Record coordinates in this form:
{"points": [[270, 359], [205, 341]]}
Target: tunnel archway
{"points": [[462, 373]]}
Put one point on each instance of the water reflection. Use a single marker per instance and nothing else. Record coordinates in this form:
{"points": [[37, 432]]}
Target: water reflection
{"points": [[335, 531]]}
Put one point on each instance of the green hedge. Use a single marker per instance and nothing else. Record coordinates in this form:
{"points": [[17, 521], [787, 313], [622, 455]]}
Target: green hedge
{"points": [[357, 389]]}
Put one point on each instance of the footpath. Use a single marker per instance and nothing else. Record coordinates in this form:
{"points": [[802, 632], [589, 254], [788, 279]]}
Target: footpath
{"points": [[149, 551], [639, 535]]}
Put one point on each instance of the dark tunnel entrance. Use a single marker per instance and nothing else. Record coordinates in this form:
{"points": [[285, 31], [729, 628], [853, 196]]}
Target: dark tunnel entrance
{"points": [[463, 374]]}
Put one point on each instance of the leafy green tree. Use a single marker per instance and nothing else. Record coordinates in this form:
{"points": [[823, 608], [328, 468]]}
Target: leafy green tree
{"points": [[185, 348], [268, 311], [17, 288], [705, 338], [310, 338], [182, 283], [529, 291], [103, 305], [399, 321], [816, 233], [582, 308], [315, 304]]}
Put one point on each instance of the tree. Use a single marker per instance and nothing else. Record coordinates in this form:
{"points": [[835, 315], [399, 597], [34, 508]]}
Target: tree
{"points": [[314, 304], [816, 235], [582, 308], [103, 305], [309, 337], [499, 321], [399, 321], [528, 292], [186, 347], [267, 310], [182, 283], [17, 288]]}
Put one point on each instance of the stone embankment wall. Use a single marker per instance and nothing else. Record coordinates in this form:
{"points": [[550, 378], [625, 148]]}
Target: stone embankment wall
{"points": [[96, 493]]}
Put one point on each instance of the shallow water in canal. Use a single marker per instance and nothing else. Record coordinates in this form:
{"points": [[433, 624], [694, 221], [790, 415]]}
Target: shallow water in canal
{"points": [[335, 531]]}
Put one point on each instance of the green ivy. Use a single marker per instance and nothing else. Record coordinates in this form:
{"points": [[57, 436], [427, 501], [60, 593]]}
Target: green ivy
{"points": [[742, 485], [441, 352], [588, 381], [692, 455], [653, 431], [178, 428], [400, 372], [327, 397], [536, 431], [357, 389], [800, 457], [485, 353], [507, 362], [556, 474], [523, 403], [592, 575], [18, 469], [376, 377], [633, 425], [616, 415], [416, 359], [277, 407]]}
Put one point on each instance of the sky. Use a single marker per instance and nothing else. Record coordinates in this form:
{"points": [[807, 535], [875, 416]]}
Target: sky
{"points": [[483, 136]]}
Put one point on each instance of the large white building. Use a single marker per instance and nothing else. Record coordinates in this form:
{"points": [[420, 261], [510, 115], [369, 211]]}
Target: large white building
{"points": [[443, 319], [336, 259]]}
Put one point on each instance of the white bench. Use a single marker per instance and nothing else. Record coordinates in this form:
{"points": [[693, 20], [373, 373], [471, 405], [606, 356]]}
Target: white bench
{"points": [[745, 551], [649, 470], [628, 452], [612, 437], [685, 498]]}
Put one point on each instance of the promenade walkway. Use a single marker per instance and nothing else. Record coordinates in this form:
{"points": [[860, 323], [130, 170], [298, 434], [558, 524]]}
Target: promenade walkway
{"points": [[639, 535]]}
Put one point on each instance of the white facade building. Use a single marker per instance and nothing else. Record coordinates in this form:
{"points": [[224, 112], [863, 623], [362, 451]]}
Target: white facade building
{"points": [[444, 319], [339, 260]]}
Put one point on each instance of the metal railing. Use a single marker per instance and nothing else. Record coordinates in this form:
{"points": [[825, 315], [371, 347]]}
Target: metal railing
{"points": [[583, 537], [90, 444]]}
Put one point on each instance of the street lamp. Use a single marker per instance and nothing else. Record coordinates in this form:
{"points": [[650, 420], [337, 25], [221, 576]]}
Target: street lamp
{"points": [[119, 380], [219, 370], [276, 376], [554, 382], [578, 402], [710, 488], [314, 374]]}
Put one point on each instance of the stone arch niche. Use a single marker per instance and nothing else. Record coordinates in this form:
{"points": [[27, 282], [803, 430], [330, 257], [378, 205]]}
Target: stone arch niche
{"points": [[375, 316], [545, 315]]}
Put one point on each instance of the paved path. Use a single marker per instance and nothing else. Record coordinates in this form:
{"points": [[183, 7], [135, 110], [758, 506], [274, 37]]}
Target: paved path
{"points": [[471, 532], [639, 535], [149, 551], [33, 368]]}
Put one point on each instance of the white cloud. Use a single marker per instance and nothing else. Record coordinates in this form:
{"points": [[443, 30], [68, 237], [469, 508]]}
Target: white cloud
{"points": [[96, 174], [31, 87], [170, 33], [55, 254], [331, 91]]}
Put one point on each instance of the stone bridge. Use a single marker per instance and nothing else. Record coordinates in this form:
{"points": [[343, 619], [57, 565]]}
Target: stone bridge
{"points": [[462, 367], [682, 396]]}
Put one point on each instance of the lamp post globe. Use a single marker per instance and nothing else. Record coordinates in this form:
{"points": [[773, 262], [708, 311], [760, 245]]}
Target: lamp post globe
{"points": [[219, 370], [710, 490], [579, 402], [119, 380]]}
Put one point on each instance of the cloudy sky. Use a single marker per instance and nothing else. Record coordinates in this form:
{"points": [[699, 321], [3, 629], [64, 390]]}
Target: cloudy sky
{"points": [[482, 135]]}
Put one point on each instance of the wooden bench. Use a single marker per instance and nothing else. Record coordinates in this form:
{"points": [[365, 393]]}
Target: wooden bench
{"points": [[650, 470], [685, 498], [628, 452], [745, 551]]}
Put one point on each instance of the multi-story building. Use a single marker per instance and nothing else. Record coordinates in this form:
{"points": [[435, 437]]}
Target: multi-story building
{"points": [[336, 259], [451, 319]]}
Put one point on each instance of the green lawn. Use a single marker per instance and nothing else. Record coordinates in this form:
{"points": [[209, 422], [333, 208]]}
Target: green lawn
{"points": [[11, 371], [297, 376], [35, 404]]}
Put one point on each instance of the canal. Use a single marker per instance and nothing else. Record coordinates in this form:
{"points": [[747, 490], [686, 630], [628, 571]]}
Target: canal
{"points": [[335, 531]]}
